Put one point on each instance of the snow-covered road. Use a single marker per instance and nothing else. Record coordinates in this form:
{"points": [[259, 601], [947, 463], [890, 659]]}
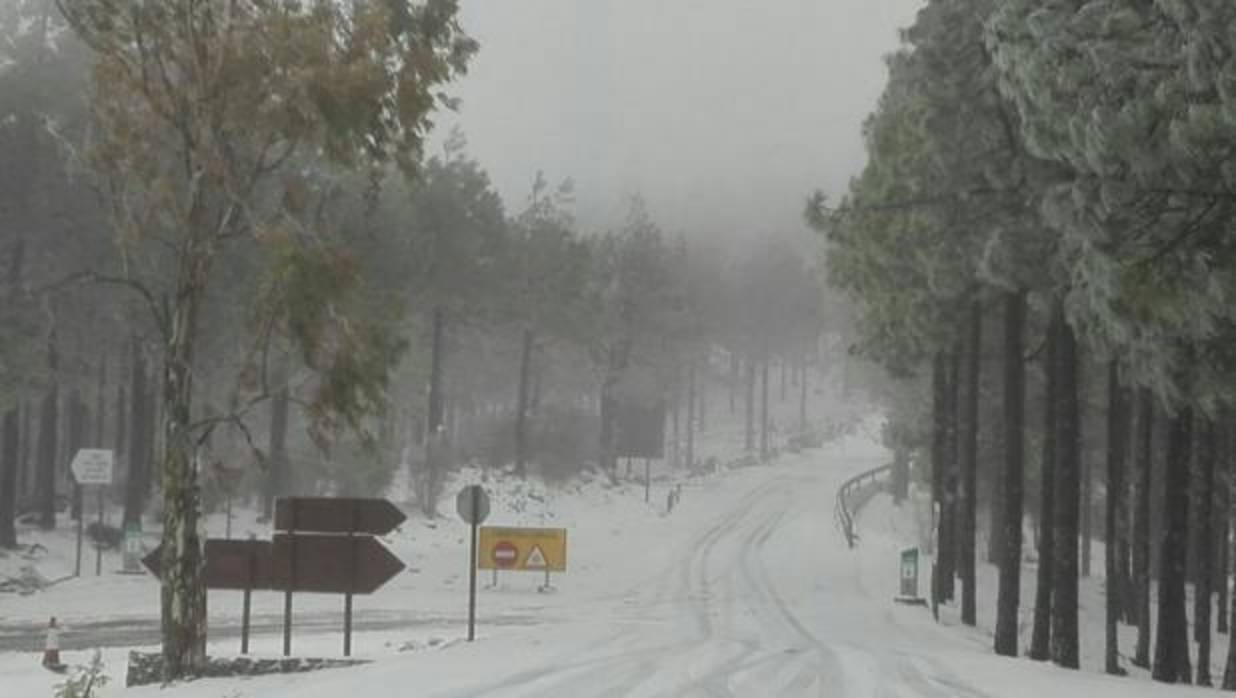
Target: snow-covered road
{"points": [[762, 602]]}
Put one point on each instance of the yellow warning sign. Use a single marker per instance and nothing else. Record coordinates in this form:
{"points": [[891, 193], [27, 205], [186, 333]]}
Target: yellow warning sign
{"points": [[528, 549]]}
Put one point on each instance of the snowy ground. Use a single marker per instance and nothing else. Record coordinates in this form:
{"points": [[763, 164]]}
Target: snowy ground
{"points": [[747, 589]]}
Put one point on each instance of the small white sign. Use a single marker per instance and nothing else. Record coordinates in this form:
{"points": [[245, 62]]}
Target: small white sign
{"points": [[92, 466]]}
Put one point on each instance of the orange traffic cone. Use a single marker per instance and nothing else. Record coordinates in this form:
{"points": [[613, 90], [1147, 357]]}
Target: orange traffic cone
{"points": [[51, 648]]}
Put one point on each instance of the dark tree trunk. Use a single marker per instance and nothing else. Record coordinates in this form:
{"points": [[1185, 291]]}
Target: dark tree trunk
{"points": [[136, 487], [901, 475], [995, 510], [732, 383], [76, 439], [277, 484], [1171, 650], [968, 504], [1202, 594], [1040, 639], [49, 420], [1009, 596], [690, 452], [521, 403], [948, 548], [701, 390], [750, 433], [1141, 525], [1222, 518], [765, 453], [100, 406], [1086, 511], [25, 479], [937, 470], [437, 401], [1114, 521], [785, 384], [802, 400], [8, 479], [1064, 644], [10, 464]]}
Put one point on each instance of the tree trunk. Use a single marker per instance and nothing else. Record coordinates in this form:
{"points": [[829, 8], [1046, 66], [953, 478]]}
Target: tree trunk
{"points": [[732, 383], [76, 439], [437, 401], [969, 466], [691, 395], [1087, 514], [1040, 640], [1141, 525], [8, 479], [802, 400], [764, 445], [277, 477], [750, 433], [49, 420], [183, 597], [1202, 593], [939, 403], [135, 482], [901, 475], [1171, 651], [25, 479], [1114, 521], [1064, 645], [950, 515], [701, 389], [521, 403], [1009, 595], [1222, 518], [785, 384]]}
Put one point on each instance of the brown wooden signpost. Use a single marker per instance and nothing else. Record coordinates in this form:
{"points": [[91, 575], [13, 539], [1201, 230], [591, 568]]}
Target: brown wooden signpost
{"points": [[327, 546]]}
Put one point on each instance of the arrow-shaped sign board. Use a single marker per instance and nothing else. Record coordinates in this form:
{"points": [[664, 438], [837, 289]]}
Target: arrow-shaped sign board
{"points": [[92, 466], [230, 564], [337, 515], [332, 564]]}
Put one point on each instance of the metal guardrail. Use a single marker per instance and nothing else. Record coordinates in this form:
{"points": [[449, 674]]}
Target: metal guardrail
{"points": [[852, 494]]}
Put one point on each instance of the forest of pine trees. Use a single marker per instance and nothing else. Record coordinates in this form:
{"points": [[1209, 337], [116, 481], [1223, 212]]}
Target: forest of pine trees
{"points": [[1062, 174]]}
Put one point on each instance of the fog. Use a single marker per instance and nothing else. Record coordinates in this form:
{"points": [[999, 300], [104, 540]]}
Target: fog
{"points": [[722, 114]]}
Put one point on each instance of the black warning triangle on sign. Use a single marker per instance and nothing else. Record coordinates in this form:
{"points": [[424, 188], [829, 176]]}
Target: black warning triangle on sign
{"points": [[536, 559]]}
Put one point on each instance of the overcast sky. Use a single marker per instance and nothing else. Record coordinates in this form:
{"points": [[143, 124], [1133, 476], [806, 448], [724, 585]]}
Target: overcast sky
{"points": [[723, 114]]}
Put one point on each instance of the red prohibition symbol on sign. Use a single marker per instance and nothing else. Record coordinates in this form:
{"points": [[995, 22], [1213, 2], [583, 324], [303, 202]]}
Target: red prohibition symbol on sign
{"points": [[505, 554]]}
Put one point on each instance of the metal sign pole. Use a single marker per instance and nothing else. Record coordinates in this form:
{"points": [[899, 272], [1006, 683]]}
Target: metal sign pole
{"points": [[98, 557], [244, 615], [476, 506], [347, 597]]}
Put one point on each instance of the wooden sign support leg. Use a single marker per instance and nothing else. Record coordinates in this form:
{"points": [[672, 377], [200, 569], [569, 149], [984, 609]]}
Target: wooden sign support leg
{"points": [[287, 593], [244, 614], [347, 598]]}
